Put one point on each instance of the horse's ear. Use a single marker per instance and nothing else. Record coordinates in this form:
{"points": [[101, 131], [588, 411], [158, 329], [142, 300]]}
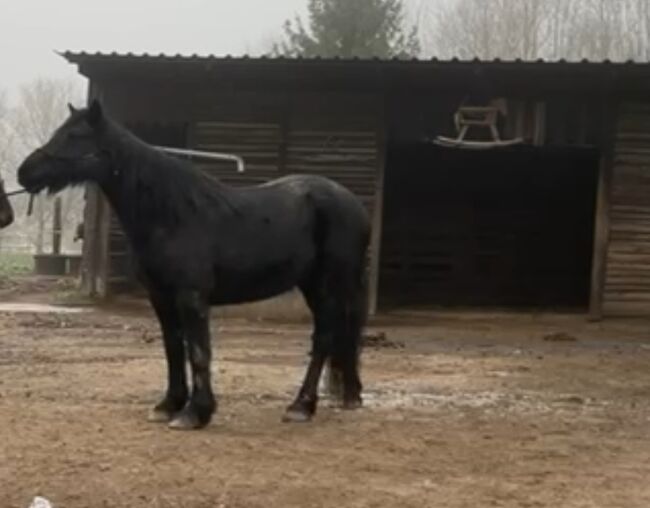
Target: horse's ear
{"points": [[72, 109], [95, 113]]}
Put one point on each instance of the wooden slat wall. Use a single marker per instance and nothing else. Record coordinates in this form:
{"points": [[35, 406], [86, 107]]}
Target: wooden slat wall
{"points": [[258, 143], [627, 280], [349, 158]]}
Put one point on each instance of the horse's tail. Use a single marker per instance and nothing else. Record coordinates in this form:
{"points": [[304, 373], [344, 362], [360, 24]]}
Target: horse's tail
{"points": [[346, 350]]}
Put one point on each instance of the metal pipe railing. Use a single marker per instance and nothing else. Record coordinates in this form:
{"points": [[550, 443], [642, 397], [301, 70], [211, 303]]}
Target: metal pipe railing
{"points": [[206, 155]]}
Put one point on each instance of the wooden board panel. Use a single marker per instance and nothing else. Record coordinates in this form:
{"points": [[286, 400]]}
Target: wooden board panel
{"points": [[258, 143], [347, 157], [627, 280]]}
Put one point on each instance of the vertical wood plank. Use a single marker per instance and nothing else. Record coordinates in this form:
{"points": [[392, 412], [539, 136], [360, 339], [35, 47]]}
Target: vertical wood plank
{"points": [[103, 250], [56, 226], [602, 219], [285, 129], [539, 129], [103, 232], [89, 246], [378, 209]]}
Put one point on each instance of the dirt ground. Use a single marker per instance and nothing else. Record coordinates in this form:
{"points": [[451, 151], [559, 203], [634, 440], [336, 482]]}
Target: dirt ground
{"points": [[465, 410]]}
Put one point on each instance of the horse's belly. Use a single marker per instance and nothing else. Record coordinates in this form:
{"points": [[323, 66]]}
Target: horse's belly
{"points": [[238, 286]]}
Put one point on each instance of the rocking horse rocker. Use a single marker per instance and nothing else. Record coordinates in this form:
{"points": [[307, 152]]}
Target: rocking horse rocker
{"points": [[485, 117]]}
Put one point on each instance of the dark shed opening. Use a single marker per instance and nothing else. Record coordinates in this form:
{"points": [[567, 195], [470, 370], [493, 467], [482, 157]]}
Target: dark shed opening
{"points": [[507, 227]]}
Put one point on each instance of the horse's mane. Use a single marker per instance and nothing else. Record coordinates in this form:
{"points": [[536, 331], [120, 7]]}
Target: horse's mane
{"points": [[159, 185]]}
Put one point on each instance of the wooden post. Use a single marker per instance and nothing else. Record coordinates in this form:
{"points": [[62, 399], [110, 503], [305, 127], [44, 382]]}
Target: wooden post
{"points": [[539, 128], [602, 217], [103, 250], [285, 129], [378, 212], [601, 240], [95, 235], [56, 227], [89, 246]]}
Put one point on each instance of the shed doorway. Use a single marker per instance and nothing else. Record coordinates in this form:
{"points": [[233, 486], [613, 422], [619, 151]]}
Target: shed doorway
{"points": [[507, 228]]}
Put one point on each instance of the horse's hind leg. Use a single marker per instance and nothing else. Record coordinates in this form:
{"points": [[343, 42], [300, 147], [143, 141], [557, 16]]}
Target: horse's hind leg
{"points": [[303, 408], [172, 333], [347, 351], [344, 378]]}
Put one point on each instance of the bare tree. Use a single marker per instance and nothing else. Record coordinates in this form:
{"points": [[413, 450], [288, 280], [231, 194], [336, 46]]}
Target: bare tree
{"points": [[6, 135], [485, 29], [530, 29], [41, 107]]}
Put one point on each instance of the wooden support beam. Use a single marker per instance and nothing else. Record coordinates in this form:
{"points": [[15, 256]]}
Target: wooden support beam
{"points": [[285, 129], [378, 212], [95, 257], [601, 241], [57, 228], [103, 250], [539, 128], [602, 219], [89, 246]]}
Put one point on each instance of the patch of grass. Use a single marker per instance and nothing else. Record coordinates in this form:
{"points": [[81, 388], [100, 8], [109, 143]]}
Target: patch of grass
{"points": [[16, 264], [73, 298]]}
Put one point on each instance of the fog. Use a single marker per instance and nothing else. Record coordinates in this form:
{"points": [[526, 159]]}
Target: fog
{"points": [[32, 30]]}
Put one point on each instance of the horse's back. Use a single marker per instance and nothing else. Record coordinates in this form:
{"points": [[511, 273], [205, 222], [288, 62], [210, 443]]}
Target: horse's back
{"points": [[342, 220], [329, 196]]}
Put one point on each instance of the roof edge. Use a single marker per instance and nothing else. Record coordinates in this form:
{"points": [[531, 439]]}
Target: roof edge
{"points": [[83, 57]]}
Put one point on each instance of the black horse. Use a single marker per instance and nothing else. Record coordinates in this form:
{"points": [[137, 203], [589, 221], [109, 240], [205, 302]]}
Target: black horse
{"points": [[200, 243], [6, 210]]}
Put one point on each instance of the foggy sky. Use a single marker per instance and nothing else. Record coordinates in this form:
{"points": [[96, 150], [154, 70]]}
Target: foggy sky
{"points": [[31, 30]]}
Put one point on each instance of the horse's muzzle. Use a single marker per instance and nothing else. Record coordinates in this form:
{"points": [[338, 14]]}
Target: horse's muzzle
{"points": [[32, 172]]}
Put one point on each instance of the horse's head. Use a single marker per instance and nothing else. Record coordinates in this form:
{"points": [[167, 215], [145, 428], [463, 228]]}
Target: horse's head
{"points": [[6, 211], [72, 156]]}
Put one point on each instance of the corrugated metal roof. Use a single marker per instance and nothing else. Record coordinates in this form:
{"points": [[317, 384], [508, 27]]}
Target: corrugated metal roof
{"points": [[80, 57]]}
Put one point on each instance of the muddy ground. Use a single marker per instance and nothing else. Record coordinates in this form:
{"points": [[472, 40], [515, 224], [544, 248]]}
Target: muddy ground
{"points": [[475, 410]]}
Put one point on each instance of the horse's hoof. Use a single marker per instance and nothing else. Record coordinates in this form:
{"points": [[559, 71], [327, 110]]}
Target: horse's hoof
{"points": [[158, 416], [295, 416], [352, 404], [185, 421]]}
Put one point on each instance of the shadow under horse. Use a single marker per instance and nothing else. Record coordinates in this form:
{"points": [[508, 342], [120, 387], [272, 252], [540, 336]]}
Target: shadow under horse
{"points": [[200, 243]]}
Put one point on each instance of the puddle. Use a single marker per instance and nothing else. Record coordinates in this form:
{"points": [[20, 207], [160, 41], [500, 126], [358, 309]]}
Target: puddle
{"points": [[39, 308]]}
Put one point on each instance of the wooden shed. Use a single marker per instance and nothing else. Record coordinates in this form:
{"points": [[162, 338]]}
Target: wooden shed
{"points": [[560, 221]]}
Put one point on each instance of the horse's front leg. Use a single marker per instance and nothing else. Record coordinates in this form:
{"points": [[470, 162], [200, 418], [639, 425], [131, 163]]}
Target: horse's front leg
{"points": [[194, 313], [176, 397]]}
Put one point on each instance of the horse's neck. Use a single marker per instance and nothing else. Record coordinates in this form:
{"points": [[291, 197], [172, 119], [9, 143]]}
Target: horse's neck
{"points": [[166, 200], [126, 150], [127, 154]]}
